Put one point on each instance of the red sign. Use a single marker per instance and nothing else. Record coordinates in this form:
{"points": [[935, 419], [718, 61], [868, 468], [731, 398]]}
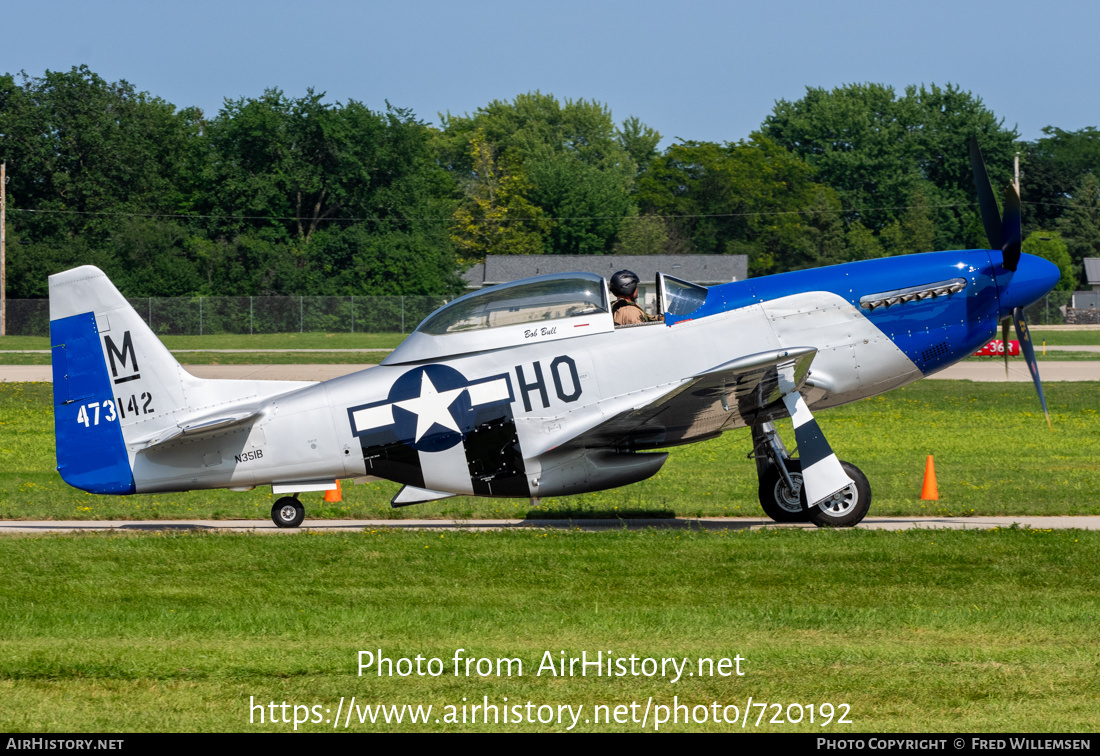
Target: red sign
{"points": [[996, 348]]}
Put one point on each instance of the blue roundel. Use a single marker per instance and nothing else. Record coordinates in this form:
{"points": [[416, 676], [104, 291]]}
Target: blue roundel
{"points": [[431, 408]]}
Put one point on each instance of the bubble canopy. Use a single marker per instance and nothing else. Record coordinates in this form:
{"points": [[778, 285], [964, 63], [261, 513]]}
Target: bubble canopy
{"points": [[530, 301], [545, 308]]}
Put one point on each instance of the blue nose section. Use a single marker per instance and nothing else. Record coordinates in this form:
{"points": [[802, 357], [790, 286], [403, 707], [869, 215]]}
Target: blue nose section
{"points": [[1033, 278]]}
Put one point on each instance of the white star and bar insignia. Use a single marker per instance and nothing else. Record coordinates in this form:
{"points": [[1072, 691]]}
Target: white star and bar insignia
{"points": [[440, 399]]}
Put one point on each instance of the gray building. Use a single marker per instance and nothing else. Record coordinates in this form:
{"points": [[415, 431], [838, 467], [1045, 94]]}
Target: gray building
{"points": [[706, 270], [1092, 272], [1090, 299]]}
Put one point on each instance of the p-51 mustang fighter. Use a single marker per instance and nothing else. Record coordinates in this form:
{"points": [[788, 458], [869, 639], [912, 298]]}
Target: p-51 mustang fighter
{"points": [[520, 390]]}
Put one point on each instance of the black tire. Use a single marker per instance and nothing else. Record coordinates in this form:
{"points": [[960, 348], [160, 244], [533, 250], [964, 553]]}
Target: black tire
{"points": [[777, 499], [288, 512], [846, 508]]}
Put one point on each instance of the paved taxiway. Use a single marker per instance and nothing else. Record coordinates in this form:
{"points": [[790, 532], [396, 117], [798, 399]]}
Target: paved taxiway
{"points": [[40, 527]]}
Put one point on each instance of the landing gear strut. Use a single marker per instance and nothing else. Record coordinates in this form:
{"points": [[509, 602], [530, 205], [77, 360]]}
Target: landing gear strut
{"points": [[781, 493], [288, 512], [780, 476]]}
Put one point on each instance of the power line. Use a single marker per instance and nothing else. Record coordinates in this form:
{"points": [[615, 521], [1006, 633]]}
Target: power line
{"points": [[360, 219]]}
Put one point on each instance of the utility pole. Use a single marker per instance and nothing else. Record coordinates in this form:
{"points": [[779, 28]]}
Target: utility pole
{"points": [[3, 261]]}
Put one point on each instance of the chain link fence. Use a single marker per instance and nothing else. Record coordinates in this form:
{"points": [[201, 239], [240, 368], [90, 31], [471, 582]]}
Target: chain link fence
{"points": [[1051, 309], [196, 316]]}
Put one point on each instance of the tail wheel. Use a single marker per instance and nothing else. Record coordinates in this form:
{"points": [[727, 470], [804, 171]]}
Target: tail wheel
{"points": [[780, 501], [288, 512], [845, 508]]}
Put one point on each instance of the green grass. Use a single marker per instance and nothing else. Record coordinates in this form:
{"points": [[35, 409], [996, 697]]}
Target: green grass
{"points": [[1059, 356], [993, 454], [1050, 356], [917, 631], [24, 342], [1062, 338], [273, 341], [240, 358]]}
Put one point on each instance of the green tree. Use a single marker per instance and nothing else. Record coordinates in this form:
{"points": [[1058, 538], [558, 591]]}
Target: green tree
{"points": [[914, 231], [534, 125], [825, 228], [640, 141], [740, 198], [1080, 224], [861, 243], [496, 218], [588, 204], [650, 235], [1050, 246], [581, 168], [1053, 168], [84, 153], [281, 171], [876, 149], [294, 163]]}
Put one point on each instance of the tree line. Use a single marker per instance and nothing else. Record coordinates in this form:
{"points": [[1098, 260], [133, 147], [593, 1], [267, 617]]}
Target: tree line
{"points": [[282, 195]]}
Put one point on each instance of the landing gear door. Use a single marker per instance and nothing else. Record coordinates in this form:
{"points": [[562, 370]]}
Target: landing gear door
{"points": [[678, 299]]}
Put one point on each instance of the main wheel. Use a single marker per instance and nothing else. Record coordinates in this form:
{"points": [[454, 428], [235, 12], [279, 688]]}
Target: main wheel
{"points": [[778, 500], [288, 512], [847, 507]]}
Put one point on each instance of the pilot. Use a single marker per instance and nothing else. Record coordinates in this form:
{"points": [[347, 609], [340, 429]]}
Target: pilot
{"points": [[626, 309]]}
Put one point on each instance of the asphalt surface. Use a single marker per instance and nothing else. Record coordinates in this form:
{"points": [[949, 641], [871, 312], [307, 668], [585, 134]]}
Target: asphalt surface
{"points": [[40, 527], [992, 371]]}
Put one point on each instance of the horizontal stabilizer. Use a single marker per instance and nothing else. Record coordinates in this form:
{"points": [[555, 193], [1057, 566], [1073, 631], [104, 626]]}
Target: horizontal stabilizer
{"points": [[195, 428]]}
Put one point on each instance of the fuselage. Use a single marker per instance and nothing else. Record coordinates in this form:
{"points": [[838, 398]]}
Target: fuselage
{"points": [[496, 416]]}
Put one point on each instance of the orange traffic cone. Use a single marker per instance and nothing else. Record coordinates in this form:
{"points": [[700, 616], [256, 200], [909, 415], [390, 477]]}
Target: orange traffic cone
{"points": [[929, 491], [334, 494]]}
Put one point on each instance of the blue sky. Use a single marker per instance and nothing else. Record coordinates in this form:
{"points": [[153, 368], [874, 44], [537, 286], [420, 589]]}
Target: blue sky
{"points": [[695, 70]]}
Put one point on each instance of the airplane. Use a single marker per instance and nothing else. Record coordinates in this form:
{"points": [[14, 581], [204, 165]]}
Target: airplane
{"points": [[529, 390]]}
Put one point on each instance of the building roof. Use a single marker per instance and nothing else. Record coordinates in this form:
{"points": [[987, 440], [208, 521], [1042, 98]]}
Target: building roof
{"points": [[1092, 270], [701, 269]]}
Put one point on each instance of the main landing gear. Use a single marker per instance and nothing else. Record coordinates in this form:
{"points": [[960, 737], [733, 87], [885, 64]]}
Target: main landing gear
{"points": [[288, 512], [783, 497]]}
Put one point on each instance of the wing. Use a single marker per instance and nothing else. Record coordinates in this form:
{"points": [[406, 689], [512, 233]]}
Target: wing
{"points": [[727, 396]]}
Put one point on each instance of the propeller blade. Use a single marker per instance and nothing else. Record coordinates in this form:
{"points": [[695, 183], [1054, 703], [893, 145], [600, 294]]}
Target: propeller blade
{"points": [[1010, 229], [1004, 343], [987, 201], [1029, 354]]}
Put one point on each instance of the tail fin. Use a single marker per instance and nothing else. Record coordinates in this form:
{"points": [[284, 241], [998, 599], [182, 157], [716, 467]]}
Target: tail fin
{"points": [[109, 372], [117, 389]]}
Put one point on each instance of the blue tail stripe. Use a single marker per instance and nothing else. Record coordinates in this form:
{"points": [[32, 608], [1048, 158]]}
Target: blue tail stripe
{"points": [[91, 452]]}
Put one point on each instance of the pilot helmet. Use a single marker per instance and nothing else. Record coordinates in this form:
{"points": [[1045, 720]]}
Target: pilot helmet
{"points": [[624, 283]]}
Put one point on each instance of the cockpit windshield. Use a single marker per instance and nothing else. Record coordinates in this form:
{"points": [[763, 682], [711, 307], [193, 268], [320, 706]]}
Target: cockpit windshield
{"points": [[550, 298], [681, 298]]}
